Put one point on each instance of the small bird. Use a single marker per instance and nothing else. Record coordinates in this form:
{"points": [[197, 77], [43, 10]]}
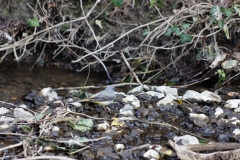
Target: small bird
{"points": [[103, 98]]}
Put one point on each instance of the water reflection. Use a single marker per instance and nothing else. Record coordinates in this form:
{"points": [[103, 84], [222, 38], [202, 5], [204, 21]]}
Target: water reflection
{"points": [[17, 81]]}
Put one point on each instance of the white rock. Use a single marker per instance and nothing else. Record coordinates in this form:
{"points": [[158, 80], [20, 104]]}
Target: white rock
{"points": [[76, 104], [139, 89], [119, 147], [122, 93], [237, 110], [157, 148], [55, 130], [23, 115], [151, 154], [204, 96], [166, 90], [234, 121], [232, 103], [210, 96], [4, 110], [169, 99], [103, 126], [190, 94], [186, 139], [199, 119], [236, 132], [127, 110], [4, 119], [4, 127], [133, 100], [49, 93], [155, 94], [218, 112], [23, 106]]}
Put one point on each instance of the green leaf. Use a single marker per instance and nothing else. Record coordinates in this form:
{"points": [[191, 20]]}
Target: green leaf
{"points": [[229, 64], [221, 24], [128, 79], [226, 31], [84, 125], [175, 29], [171, 83], [185, 26], [222, 75], [202, 141], [33, 22], [237, 9], [157, 76], [117, 3], [99, 23], [146, 32], [26, 127], [185, 38], [168, 32], [40, 116], [64, 27], [214, 10], [152, 2], [228, 12], [79, 94]]}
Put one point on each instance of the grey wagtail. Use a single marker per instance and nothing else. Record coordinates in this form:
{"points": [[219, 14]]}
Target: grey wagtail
{"points": [[103, 98]]}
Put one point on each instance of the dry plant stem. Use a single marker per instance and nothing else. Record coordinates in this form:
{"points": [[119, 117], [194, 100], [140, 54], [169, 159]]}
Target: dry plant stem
{"points": [[134, 149], [89, 71], [170, 126], [211, 147], [27, 39], [81, 114], [98, 45], [184, 153], [11, 146], [80, 150], [87, 87], [17, 134], [190, 84], [111, 44], [230, 79], [46, 157], [153, 54], [130, 68], [18, 106], [39, 56], [105, 68]]}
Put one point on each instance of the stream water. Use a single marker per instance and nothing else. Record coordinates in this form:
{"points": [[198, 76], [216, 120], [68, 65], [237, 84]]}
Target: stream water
{"points": [[16, 81]]}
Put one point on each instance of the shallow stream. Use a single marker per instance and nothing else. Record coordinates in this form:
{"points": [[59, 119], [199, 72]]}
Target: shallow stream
{"points": [[16, 81]]}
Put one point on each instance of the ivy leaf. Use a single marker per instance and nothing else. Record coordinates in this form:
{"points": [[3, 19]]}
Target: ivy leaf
{"points": [[64, 27], [237, 9], [152, 2], [169, 32], [84, 125], [99, 23], [185, 26], [117, 3], [226, 31], [146, 32], [216, 12], [228, 12], [175, 29], [33, 22], [229, 64], [185, 38], [221, 24]]}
